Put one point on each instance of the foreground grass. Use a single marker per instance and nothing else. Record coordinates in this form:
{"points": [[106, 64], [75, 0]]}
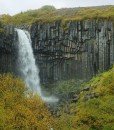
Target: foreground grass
{"points": [[95, 108], [93, 111], [21, 112]]}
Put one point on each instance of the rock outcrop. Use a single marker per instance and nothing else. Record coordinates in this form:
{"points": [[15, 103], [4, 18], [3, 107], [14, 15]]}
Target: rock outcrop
{"points": [[8, 50], [80, 51]]}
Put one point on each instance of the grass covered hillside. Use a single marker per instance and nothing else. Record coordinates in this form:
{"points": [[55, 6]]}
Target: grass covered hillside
{"points": [[20, 110], [50, 14], [95, 107], [94, 110]]}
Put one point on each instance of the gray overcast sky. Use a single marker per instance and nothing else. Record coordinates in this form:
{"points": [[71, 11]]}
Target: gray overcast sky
{"points": [[15, 6]]}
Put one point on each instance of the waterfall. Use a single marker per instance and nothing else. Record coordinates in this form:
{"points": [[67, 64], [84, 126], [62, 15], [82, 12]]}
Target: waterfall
{"points": [[28, 68]]}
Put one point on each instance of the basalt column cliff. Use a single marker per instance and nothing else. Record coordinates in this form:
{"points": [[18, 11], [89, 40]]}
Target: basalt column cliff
{"points": [[8, 50], [80, 50]]}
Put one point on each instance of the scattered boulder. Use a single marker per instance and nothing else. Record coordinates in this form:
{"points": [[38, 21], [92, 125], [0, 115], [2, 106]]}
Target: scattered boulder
{"points": [[87, 88], [75, 99], [91, 96]]}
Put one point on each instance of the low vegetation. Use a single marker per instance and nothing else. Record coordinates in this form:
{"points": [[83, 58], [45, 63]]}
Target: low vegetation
{"points": [[51, 14], [20, 110], [67, 86], [94, 109]]}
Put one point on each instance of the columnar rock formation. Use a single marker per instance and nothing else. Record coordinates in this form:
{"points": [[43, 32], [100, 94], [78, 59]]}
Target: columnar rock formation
{"points": [[79, 51], [8, 51]]}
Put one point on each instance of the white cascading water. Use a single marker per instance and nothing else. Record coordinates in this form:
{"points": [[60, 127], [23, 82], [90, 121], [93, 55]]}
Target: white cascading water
{"points": [[28, 68]]}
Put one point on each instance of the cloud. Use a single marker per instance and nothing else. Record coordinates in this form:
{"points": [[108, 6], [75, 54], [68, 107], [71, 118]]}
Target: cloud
{"points": [[16, 6]]}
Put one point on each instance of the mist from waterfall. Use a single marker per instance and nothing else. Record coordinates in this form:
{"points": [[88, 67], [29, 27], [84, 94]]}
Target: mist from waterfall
{"points": [[27, 65]]}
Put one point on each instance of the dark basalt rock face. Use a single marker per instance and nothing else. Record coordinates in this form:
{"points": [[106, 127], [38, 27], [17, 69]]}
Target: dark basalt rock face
{"points": [[8, 50], [83, 50]]}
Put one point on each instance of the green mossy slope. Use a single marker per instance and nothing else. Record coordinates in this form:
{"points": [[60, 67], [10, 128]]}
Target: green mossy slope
{"points": [[95, 107], [50, 14]]}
